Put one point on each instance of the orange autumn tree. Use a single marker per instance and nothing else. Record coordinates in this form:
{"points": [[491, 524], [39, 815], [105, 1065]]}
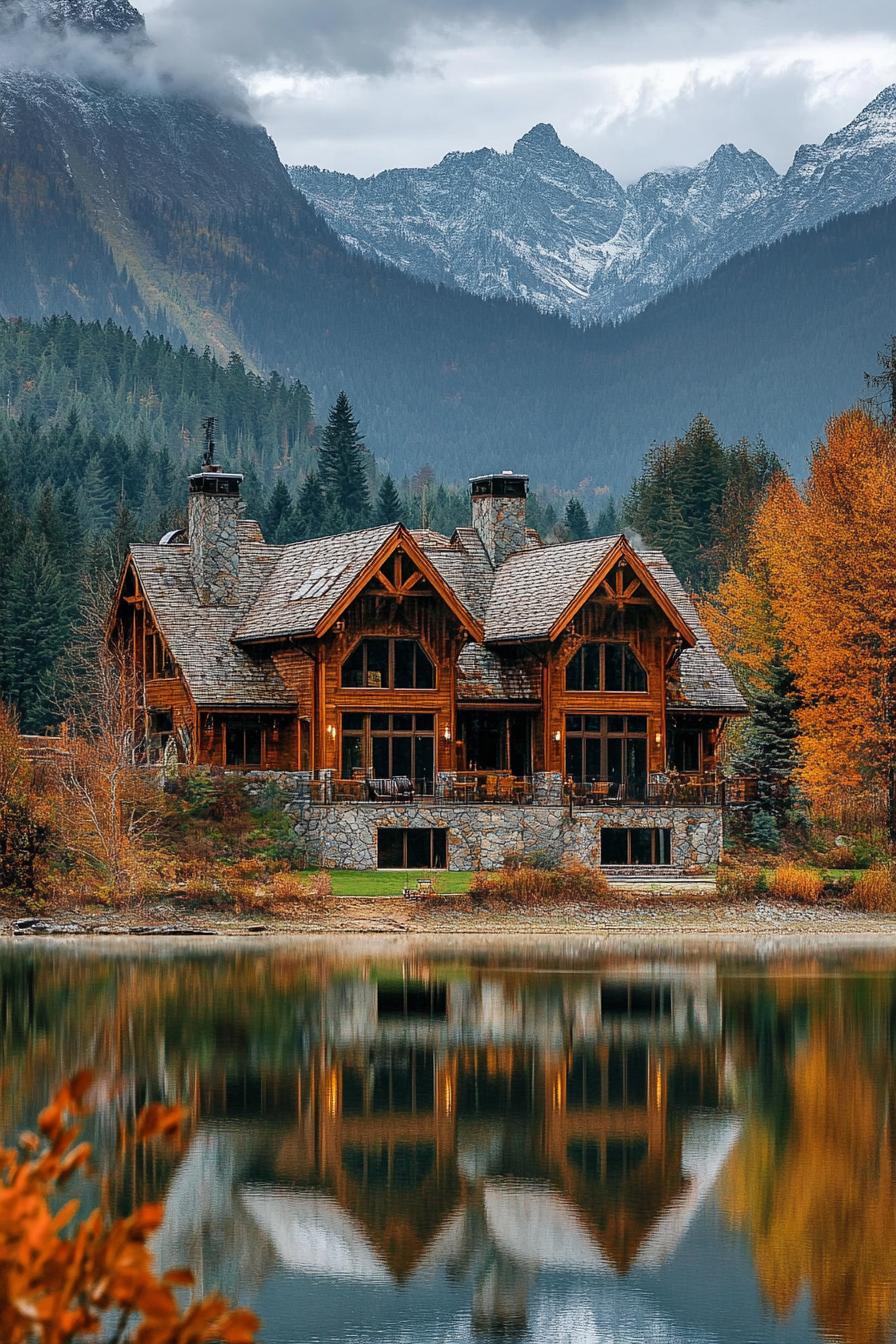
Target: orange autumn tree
{"points": [[826, 557], [65, 1278]]}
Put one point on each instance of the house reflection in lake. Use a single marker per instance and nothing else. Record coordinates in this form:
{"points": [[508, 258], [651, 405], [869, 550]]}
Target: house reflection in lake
{"points": [[486, 1126]]}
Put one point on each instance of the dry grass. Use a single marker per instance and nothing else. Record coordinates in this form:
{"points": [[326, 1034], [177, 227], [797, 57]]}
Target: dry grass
{"points": [[874, 891], [737, 881], [528, 887], [790, 882]]}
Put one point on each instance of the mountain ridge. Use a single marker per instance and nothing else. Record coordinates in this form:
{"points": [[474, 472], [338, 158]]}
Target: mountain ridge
{"points": [[524, 225]]}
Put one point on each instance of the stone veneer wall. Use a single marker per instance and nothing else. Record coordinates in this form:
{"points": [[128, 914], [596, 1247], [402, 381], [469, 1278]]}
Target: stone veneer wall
{"points": [[344, 835], [214, 547], [501, 524]]}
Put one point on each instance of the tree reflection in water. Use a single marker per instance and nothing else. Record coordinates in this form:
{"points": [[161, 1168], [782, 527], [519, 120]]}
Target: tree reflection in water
{"points": [[374, 1120]]}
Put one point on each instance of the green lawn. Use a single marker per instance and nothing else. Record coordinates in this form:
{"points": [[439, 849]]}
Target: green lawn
{"points": [[347, 882]]}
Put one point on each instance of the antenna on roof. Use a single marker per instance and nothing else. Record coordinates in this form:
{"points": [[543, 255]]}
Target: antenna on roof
{"points": [[208, 429]]}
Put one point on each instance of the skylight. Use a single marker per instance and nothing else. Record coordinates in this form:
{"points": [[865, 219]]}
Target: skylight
{"points": [[319, 581]]}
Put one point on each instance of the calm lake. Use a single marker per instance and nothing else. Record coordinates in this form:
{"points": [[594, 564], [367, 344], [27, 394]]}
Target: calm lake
{"points": [[410, 1143]]}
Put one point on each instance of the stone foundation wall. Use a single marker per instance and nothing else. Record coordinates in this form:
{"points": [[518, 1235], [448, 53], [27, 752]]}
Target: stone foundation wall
{"points": [[344, 835]]}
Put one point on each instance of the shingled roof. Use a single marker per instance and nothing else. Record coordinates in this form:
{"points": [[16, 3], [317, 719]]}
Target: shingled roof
{"points": [[706, 682], [308, 580], [289, 590], [200, 638]]}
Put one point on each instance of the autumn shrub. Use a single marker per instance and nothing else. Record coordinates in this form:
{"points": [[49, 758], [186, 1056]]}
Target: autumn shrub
{"points": [[874, 890], [790, 882], [65, 1277], [736, 881], [529, 887], [291, 888]]}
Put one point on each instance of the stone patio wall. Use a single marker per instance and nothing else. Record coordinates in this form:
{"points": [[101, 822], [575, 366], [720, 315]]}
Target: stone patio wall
{"points": [[344, 835]]}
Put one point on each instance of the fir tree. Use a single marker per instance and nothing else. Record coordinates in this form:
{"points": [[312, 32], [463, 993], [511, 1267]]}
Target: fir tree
{"points": [[278, 514], [343, 466], [576, 520], [608, 522], [769, 748], [389, 508], [311, 508], [37, 628]]}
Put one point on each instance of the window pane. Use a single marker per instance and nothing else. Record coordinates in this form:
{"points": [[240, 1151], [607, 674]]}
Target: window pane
{"points": [[642, 845], [352, 758], [591, 675], [636, 767], [380, 723], [686, 750], [404, 662], [353, 667], [423, 763], [615, 723], [614, 759], [592, 758], [424, 723], [574, 672], [419, 848], [401, 755], [234, 744], [637, 723], [573, 723], [440, 849], [380, 750], [663, 846], [635, 676], [377, 662], [426, 673], [613, 655], [613, 845], [592, 723], [253, 746], [353, 722], [402, 723], [574, 757], [390, 848]]}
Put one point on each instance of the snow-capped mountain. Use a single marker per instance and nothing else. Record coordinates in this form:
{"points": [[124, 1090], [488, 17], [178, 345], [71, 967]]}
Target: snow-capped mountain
{"points": [[544, 224], [108, 17]]}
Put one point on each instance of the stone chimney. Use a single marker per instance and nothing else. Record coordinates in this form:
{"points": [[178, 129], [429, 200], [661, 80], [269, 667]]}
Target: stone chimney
{"points": [[213, 513], [499, 513]]}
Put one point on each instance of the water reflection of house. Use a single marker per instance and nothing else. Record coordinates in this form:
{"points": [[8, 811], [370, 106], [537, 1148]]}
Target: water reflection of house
{"points": [[488, 1126]]}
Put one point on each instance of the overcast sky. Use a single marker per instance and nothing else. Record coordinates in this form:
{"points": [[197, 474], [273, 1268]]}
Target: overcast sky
{"points": [[362, 85]]}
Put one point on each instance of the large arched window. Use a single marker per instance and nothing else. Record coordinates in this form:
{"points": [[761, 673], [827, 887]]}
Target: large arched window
{"points": [[389, 664], [605, 667]]}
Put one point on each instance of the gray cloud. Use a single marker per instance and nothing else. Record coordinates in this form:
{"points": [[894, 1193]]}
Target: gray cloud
{"points": [[384, 36]]}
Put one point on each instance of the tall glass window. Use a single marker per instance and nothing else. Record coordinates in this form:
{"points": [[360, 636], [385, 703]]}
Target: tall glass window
{"points": [[605, 667]]}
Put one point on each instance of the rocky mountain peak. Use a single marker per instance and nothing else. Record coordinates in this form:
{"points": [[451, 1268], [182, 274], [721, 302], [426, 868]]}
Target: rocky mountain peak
{"points": [[541, 137], [110, 18]]}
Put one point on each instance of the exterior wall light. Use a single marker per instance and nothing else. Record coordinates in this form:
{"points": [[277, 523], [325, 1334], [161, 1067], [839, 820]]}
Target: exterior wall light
{"points": [[446, 733], [331, 731], [558, 736], [658, 739]]}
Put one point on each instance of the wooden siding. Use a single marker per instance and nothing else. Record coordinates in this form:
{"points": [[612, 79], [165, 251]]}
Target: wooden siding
{"points": [[650, 636]]}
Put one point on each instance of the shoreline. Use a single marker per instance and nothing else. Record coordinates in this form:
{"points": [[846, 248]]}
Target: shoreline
{"points": [[649, 920]]}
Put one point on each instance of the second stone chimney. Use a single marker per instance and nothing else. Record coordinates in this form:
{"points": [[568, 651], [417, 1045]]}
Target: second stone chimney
{"points": [[213, 512], [499, 513]]}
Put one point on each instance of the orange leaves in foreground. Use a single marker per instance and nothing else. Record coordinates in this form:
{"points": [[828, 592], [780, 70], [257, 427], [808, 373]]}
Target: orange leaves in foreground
{"points": [[61, 1275]]}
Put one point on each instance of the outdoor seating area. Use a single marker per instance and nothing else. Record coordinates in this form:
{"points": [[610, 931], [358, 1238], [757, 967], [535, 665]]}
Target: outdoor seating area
{"points": [[487, 786]]}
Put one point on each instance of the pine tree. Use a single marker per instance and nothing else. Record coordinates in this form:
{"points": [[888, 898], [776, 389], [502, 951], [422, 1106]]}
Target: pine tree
{"points": [[343, 466], [389, 508], [37, 627], [278, 514], [576, 520], [608, 522], [311, 508]]}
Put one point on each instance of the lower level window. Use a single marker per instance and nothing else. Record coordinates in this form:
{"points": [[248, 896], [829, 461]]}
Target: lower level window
{"points": [[411, 847], [635, 845], [243, 742]]}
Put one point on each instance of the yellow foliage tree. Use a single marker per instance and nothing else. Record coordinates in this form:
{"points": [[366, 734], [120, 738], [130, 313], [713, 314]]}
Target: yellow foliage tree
{"points": [[820, 579]]}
